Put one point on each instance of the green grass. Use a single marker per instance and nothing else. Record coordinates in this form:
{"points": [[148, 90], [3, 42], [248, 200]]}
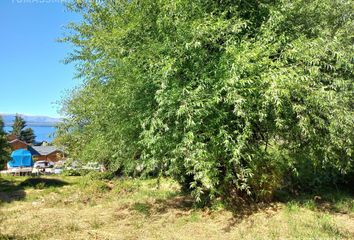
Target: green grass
{"points": [[92, 208]]}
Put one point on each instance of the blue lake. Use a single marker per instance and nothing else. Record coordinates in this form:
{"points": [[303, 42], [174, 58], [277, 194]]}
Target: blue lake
{"points": [[43, 133]]}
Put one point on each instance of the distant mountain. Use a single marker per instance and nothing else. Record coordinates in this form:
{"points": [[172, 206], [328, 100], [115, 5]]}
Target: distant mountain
{"points": [[31, 120]]}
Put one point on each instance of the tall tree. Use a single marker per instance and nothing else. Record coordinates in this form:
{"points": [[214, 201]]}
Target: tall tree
{"points": [[231, 98], [21, 132], [18, 125], [27, 135], [4, 147]]}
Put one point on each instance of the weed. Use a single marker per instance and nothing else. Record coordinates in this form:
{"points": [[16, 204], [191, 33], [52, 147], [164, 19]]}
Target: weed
{"points": [[292, 207], [327, 225], [72, 227], [96, 224], [194, 217], [142, 208]]}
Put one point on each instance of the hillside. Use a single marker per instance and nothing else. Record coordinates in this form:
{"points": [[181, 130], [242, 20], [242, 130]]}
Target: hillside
{"points": [[31, 120]]}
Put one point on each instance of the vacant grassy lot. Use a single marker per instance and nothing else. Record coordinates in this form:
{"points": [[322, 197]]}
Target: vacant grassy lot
{"points": [[86, 208]]}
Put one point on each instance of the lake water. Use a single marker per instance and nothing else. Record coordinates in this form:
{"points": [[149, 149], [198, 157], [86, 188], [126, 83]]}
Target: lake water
{"points": [[43, 133]]}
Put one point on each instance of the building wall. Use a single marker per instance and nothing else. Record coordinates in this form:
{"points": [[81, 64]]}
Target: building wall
{"points": [[54, 157]]}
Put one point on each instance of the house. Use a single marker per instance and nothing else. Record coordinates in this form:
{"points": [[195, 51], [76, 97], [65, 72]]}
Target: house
{"points": [[44, 152], [48, 153], [17, 144], [11, 137]]}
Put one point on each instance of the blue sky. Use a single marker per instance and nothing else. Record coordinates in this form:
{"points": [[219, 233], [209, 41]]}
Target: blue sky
{"points": [[32, 78]]}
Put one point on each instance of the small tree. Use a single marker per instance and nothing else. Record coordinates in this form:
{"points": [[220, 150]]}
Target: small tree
{"points": [[4, 147], [18, 129], [18, 125], [233, 99], [27, 135]]}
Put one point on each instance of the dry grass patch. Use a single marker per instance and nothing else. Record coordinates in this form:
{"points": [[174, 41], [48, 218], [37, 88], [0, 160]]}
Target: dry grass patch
{"points": [[136, 209]]}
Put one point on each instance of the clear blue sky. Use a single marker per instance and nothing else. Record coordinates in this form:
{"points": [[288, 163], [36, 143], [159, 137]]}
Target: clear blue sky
{"points": [[32, 78]]}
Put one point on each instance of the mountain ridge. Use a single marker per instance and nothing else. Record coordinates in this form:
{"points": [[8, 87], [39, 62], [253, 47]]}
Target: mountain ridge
{"points": [[31, 120]]}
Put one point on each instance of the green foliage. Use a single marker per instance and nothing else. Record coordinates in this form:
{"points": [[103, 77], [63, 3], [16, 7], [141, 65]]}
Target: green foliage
{"points": [[75, 172], [18, 125], [70, 172], [27, 135], [93, 185], [94, 175], [231, 98], [21, 132], [4, 147]]}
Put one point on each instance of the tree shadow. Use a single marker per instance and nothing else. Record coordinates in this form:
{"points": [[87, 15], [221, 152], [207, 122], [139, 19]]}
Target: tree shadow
{"points": [[9, 191], [242, 212], [335, 201], [17, 237], [332, 201], [177, 202], [183, 204], [10, 237], [42, 183], [13, 191]]}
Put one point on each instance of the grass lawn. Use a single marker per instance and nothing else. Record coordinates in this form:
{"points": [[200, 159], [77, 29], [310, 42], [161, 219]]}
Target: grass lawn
{"points": [[83, 208]]}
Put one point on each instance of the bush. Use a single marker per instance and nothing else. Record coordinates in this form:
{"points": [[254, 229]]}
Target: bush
{"points": [[94, 175], [75, 172], [90, 184], [231, 99]]}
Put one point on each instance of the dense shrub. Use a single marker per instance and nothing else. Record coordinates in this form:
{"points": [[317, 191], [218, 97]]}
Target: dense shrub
{"points": [[94, 175], [75, 172], [93, 186], [231, 98]]}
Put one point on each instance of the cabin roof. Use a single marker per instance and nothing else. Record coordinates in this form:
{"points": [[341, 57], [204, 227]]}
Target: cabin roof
{"points": [[43, 150], [18, 140]]}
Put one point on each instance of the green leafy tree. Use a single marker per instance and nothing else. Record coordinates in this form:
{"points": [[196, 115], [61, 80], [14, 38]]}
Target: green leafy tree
{"points": [[231, 98], [18, 125], [4, 147], [28, 136], [21, 132]]}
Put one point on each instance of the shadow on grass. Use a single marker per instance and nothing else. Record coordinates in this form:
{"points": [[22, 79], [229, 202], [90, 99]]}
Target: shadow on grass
{"points": [[9, 191], [42, 183], [244, 211], [15, 191], [184, 205], [16, 237], [332, 201], [178, 202], [328, 200]]}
